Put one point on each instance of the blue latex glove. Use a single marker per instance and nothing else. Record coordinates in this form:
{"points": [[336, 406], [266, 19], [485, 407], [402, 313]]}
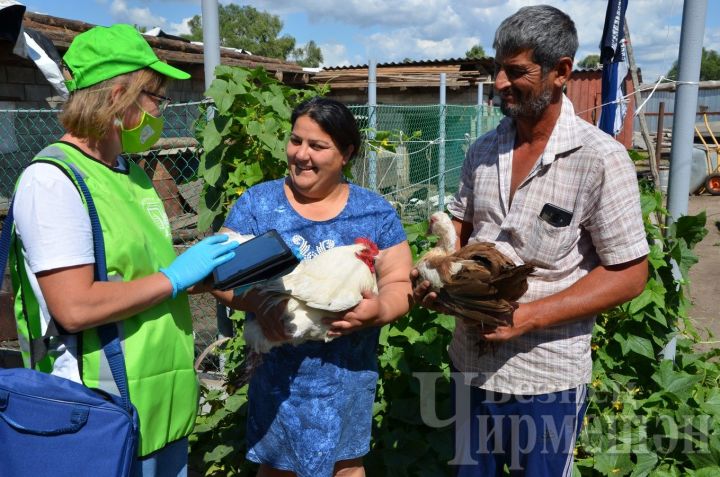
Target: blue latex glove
{"points": [[198, 262]]}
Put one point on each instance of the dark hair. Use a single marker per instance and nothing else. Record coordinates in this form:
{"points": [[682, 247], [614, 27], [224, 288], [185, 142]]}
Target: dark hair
{"points": [[335, 119], [546, 31]]}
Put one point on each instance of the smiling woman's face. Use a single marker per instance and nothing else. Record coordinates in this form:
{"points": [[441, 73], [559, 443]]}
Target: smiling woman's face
{"points": [[314, 160]]}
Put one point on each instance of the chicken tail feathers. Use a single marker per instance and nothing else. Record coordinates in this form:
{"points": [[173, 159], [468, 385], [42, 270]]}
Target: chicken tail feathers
{"points": [[489, 312], [247, 368], [512, 283]]}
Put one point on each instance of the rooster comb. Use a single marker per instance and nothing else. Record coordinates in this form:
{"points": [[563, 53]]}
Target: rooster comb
{"points": [[371, 246]]}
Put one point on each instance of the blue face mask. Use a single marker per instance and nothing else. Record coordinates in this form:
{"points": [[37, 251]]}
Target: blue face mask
{"points": [[144, 135]]}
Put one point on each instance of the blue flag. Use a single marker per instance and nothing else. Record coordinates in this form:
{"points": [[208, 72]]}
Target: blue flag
{"points": [[613, 59]]}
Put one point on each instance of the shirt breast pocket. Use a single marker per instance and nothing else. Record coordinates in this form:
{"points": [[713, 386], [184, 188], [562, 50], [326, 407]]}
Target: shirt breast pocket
{"points": [[549, 243]]}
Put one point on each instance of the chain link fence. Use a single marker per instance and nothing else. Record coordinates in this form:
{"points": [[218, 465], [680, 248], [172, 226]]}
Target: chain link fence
{"points": [[409, 167], [417, 164]]}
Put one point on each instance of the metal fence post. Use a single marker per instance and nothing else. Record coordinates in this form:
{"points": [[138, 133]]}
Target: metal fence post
{"points": [[211, 39], [691, 41], [480, 103], [441, 152], [211, 59], [372, 122]]}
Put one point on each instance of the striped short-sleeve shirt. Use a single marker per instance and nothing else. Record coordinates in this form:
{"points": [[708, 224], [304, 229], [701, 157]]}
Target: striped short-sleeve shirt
{"points": [[583, 171]]}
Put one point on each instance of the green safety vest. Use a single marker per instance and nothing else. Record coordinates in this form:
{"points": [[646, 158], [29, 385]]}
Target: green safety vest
{"points": [[158, 342]]}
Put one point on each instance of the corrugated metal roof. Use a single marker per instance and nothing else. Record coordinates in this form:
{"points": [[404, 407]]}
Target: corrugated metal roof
{"points": [[434, 62], [438, 62], [672, 86]]}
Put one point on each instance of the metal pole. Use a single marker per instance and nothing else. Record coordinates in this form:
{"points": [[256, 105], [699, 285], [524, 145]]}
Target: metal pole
{"points": [[372, 122], [211, 39], [441, 154], [211, 57], [480, 103], [691, 41]]}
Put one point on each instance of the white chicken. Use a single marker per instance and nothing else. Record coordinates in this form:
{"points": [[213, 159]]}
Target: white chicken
{"points": [[328, 284], [477, 282]]}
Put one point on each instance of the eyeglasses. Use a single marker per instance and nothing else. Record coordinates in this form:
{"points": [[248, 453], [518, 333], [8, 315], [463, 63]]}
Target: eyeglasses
{"points": [[162, 101]]}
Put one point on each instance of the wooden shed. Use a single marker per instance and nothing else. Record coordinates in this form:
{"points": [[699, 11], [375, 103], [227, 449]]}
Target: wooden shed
{"points": [[412, 82], [585, 91]]}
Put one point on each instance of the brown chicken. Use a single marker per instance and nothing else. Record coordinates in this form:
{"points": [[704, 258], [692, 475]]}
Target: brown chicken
{"points": [[477, 282]]}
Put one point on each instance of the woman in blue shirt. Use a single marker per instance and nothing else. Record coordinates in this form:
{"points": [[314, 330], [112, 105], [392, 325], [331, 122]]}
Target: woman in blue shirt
{"points": [[310, 406]]}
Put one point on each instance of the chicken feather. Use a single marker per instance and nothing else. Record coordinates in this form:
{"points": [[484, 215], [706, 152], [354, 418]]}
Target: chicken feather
{"points": [[325, 286], [478, 282]]}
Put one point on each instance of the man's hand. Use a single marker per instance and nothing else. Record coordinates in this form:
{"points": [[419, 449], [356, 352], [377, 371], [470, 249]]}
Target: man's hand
{"points": [[520, 324], [423, 296]]}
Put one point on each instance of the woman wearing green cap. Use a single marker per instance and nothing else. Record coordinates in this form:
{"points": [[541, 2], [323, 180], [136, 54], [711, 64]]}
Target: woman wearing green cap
{"points": [[115, 106]]}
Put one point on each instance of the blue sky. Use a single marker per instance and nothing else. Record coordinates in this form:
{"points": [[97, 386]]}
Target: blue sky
{"points": [[352, 31]]}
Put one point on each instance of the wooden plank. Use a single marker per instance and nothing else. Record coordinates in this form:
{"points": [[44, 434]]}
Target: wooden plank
{"points": [[61, 32], [190, 192]]}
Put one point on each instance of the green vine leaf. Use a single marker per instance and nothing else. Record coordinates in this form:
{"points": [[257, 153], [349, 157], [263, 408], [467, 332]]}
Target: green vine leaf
{"points": [[641, 346], [219, 452], [674, 381], [646, 462], [244, 143]]}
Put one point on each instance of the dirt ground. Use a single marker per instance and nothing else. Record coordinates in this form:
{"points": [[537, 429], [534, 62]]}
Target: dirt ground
{"points": [[704, 285]]}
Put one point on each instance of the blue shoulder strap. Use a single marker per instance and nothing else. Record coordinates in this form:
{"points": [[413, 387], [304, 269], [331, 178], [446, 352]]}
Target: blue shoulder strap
{"points": [[108, 333]]}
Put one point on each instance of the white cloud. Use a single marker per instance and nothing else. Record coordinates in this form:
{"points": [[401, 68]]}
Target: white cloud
{"points": [[435, 29], [363, 13], [334, 54], [181, 28], [712, 40], [440, 28], [121, 12]]}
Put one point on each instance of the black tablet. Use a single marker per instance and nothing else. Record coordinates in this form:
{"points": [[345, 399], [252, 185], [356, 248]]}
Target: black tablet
{"points": [[261, 258]]}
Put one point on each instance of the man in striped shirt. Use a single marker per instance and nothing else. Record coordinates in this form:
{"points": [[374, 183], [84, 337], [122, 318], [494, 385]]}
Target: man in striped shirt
{"points": [[551, 190]]}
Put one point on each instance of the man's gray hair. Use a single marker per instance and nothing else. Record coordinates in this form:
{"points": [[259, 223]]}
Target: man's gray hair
{"points": [[548, 32]]}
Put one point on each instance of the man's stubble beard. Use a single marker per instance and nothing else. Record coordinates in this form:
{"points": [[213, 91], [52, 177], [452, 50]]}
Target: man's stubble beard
{"points": [[531, 108]]}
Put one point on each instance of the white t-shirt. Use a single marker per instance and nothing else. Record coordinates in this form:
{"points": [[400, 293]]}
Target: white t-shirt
{"points": [[54, 226]]}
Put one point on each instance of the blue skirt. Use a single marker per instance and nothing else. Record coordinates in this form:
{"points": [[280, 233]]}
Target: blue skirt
{"points": [[311, 405]]}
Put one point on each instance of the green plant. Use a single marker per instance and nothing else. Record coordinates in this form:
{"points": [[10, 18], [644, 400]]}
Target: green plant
{"points": [[217, 444], [648, 415], [390, 139], [244, 140], [402, 444]]}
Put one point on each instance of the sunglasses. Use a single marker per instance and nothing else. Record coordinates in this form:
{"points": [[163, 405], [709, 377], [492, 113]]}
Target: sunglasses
{"points": [[162, 101]]}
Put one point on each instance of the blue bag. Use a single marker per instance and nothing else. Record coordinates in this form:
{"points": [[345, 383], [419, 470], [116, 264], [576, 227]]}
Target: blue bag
{"points": [[53, 426]]}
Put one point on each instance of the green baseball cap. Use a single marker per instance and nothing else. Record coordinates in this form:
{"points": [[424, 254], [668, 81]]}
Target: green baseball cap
{"points": [[102, 53]]}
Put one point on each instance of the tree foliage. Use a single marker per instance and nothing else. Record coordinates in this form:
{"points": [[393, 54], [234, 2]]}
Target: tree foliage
{"points": [[244, 142], [249, 29], [476, 52], [309, 55], [590, 61], [709, 66]]}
